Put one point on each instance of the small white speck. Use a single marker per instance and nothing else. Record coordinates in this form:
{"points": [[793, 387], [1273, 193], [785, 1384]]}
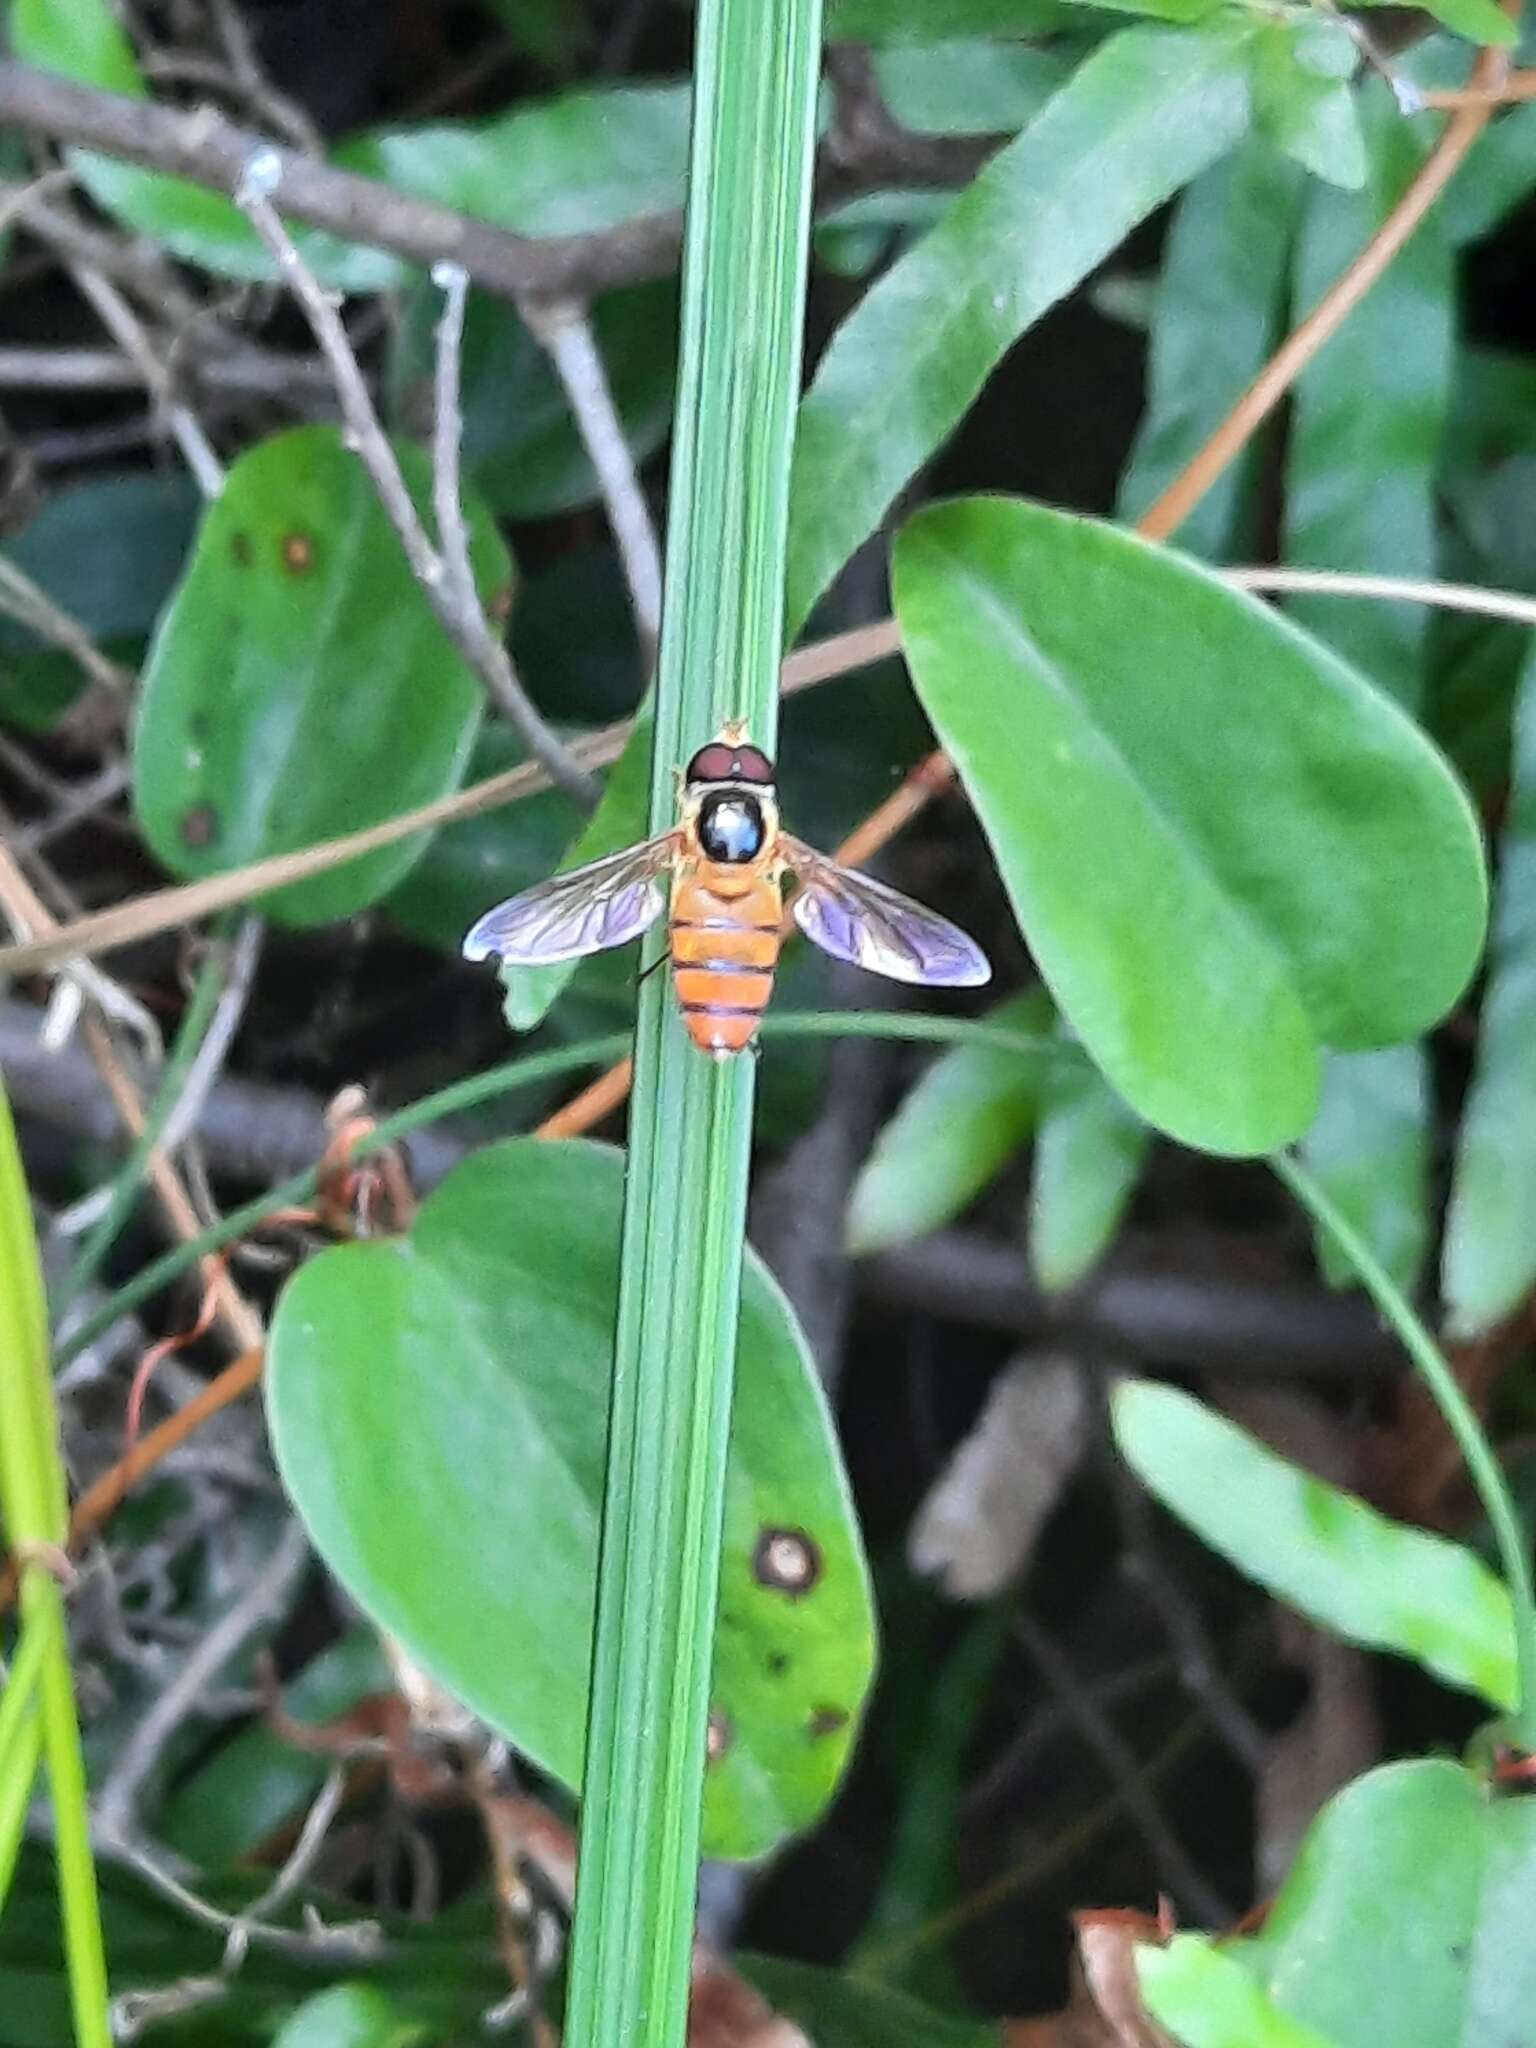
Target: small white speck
{"points": [[448, 276], [261, 177]]}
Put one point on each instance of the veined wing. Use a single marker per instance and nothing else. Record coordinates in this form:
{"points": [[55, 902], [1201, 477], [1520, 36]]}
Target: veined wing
{"points": [[606, 903], [855, 918]]}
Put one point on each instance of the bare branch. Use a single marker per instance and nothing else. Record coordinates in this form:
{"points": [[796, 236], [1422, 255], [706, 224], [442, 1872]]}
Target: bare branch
{"points": [[457, 609], [125, 327], [565, 332], [210, 150]]}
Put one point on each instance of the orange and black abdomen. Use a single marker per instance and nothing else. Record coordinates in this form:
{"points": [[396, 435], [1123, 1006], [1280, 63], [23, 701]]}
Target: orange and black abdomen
{"points": [[724, 936]]}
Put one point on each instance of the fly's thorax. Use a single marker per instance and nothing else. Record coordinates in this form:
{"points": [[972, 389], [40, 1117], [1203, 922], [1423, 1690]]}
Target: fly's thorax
{"points": [[731, 824]]}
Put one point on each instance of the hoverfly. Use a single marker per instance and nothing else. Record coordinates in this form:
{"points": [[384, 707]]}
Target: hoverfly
{"points": [[726, 860]]}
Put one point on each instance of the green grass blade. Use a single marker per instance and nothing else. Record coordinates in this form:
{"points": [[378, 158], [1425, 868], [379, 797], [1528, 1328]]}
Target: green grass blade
{"points": [[33, 1508], [755, 75]]}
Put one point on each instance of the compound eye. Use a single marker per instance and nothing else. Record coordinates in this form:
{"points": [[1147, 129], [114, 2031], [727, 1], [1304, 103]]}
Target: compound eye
{"points": [[714, 763], [752, 766]]}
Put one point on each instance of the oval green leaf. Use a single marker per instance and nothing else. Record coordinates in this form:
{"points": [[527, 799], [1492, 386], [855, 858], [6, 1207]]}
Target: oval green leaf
{"points": [[299, 686], [1225, 849], [1210, 2001], [956, 1130], [1407, 1916], [1089, 1152], [1321, 1550], [438, 1406]]}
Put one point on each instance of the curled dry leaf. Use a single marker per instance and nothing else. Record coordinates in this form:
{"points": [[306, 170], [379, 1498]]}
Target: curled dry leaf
{"points": [[1104, 2008], [978, 1527]]}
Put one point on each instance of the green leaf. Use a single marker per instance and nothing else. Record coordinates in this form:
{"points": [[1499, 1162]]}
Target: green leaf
{"points": [[968, 86], [1303, 100], [1363, 454], [1210, 2001], [299, 686], [1407, 1916], [349, 2016], [1147, 111], [957, 1129], [1369, 1147], [437, 1408], [1226, 851], [522, 450], [1505, 175], [106, 552], [1490, 1229], [81, 39], [1089, 1152], [1218, 313], [573, 165], [1481, 21], [1320, 1549]]}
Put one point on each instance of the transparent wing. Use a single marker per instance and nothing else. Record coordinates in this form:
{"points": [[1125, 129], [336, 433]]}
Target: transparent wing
{"points": [[606, 903], [855, 918]]}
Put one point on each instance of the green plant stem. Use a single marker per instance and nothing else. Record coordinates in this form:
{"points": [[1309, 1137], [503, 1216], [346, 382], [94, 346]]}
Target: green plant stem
{"points": [[33, 1507], [1459, 1418], [190, 1034], [527, 1072], [744, 259], [20, 1747]]}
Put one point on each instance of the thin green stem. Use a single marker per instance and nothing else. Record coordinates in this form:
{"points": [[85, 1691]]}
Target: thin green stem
{"points": [[85, 1960], [690, 1126], [527, 1072], [1460, 1419], [33, 1508], [20, 1746]]}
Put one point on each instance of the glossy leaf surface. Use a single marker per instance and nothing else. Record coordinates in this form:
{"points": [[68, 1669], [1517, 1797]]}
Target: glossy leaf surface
{"points": [[1317, 1547], [955, 1131], [1225, 850], [437, 1405], [1147, 111], [1407, 1915], [1207, 2000], [566, 166], [299, 686]]}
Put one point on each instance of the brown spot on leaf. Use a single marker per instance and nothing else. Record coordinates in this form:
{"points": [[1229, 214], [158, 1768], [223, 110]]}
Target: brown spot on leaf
{"points": [[826, 1721], [499, 604], [778, 1663], [298, 554], [787, 1560], [199, 826], [240, 547], [717, 1736]]}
